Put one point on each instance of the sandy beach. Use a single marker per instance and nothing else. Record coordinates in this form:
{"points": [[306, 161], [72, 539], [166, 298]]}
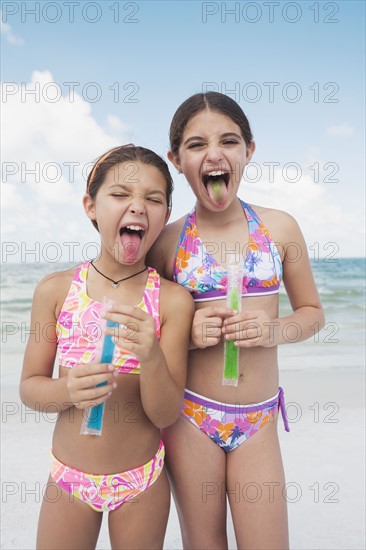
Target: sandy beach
{"points": [[324, 457]]}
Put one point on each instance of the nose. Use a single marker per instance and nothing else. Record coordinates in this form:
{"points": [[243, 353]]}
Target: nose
{"points": [[214, 153], [137, 205]]}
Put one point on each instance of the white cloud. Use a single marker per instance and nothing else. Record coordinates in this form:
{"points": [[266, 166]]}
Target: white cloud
{"points": [[10, 196], [48, 148], [5, 30], [115, 125], [340, 130], [58, 139]]}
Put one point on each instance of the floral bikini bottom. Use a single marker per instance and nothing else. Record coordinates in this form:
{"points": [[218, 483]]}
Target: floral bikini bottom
{"points": [[229, 425], [106, 492]]}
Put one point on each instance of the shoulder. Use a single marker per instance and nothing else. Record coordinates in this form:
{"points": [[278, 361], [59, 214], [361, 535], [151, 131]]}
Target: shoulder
{"points": [[273, 215], [279, 223], [171, 232], [52, 289], [175, 298], [161, 255], [283, 230]]}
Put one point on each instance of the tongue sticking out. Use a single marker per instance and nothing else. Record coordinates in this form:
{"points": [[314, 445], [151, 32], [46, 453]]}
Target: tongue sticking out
{"points": [[131, 245], [217, 191]]}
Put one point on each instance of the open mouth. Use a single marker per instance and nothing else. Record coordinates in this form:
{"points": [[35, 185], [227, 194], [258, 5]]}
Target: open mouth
{"points": [[135, 230], [216, 184]]}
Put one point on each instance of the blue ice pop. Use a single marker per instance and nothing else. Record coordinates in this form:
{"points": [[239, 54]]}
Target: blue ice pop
{"points": [[95, 414]]}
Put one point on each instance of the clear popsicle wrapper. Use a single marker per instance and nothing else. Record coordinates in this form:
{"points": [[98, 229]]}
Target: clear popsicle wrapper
{"points": [[93, 417], [233, 301]]}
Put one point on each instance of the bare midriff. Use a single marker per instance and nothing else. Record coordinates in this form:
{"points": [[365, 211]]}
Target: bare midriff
{"points": [[258, 366]]}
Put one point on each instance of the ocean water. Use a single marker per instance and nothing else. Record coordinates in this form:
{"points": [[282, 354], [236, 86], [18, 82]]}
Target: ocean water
{"points": [[341, 344]]}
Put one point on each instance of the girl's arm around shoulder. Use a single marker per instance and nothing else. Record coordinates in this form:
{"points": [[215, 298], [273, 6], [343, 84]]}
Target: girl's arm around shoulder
{"points": [[308, 316], [163, 382], [162, 254]]}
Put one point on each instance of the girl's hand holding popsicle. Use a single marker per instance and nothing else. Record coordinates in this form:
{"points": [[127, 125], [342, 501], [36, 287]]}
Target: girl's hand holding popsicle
{"points": [[250, 329], [136, 332], [82, 384], [207, 325]]}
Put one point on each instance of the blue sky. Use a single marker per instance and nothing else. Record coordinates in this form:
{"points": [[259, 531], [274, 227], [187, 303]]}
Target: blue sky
{"points": [[296, 69]]}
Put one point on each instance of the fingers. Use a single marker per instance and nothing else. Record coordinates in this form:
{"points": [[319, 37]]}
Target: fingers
{"points": [[207, 333], [94, 380], [250, 329], [123, 314], [245, 334], [89, 385], [91, 368], [133, 327], [247, 343], [125, 333], [93, 402], [216, 311], [243, 316]]}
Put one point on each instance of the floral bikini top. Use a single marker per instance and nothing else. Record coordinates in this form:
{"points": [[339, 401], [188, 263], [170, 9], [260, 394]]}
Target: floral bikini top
{"points": [[78, 326], [206, 279]]}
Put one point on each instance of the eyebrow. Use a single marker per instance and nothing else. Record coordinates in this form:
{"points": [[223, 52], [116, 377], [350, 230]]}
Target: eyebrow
{"points": [[226, 135], [127, 188]]}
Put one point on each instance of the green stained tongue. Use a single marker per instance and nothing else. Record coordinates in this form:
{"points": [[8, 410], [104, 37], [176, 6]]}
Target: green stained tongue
{"points": [[217, 190]]}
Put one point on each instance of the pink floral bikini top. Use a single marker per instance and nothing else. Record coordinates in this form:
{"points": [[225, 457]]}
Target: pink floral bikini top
{"points": [[206, 279], [78, 324]]}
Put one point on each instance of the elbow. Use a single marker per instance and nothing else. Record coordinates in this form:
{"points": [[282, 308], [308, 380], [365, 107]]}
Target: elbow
{"points": [[167, 420], [322, 319], [23, 394], [166, 424]]}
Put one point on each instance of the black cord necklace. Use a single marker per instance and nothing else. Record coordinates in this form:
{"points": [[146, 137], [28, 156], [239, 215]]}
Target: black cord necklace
{"points": [[115, 284]]}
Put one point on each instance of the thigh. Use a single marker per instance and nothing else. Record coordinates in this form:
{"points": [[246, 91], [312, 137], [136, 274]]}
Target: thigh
{"points": [[196, 467], [255, 485], [66, 522], [141, 522]]}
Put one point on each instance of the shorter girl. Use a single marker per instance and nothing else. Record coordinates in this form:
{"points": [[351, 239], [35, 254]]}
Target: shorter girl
{"points": [[128, 200]]}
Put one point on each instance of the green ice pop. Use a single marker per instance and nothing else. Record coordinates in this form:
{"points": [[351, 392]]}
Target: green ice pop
{"points": [[231, 352]]}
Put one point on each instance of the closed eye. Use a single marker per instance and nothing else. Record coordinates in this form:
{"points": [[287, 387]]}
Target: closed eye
{"points": [[157, 201], [195, 145], [230, 142]]}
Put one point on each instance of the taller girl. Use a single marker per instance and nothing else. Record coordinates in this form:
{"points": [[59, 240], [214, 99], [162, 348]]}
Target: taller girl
{"points": [[225, 442]]}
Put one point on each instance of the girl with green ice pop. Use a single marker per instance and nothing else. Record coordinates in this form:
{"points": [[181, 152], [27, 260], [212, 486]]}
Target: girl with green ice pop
{"points": [[226, 437]]}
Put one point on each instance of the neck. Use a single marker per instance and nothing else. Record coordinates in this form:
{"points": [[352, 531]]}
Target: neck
{"points": [[220, 217], [116, 270]]}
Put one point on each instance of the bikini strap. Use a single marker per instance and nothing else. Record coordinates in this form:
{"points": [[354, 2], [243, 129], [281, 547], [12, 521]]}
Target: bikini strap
{"points": [[281, 403], [181, 240]]}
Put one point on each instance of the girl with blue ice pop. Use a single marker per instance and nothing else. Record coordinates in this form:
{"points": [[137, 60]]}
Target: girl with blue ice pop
{"points": [[140, 388], [224, 447]]}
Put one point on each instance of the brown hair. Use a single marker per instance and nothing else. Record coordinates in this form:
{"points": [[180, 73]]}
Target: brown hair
{"points": [[121, 154], [213, 101]]}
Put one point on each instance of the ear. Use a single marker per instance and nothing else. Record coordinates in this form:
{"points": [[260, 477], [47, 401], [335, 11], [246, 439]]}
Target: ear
{"points": [[89, 207], [167, 216], [175, 161], [250, 151]]}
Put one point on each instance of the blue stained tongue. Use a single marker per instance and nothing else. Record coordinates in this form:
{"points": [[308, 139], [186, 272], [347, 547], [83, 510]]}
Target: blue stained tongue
{"points": [[217, 191]]}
